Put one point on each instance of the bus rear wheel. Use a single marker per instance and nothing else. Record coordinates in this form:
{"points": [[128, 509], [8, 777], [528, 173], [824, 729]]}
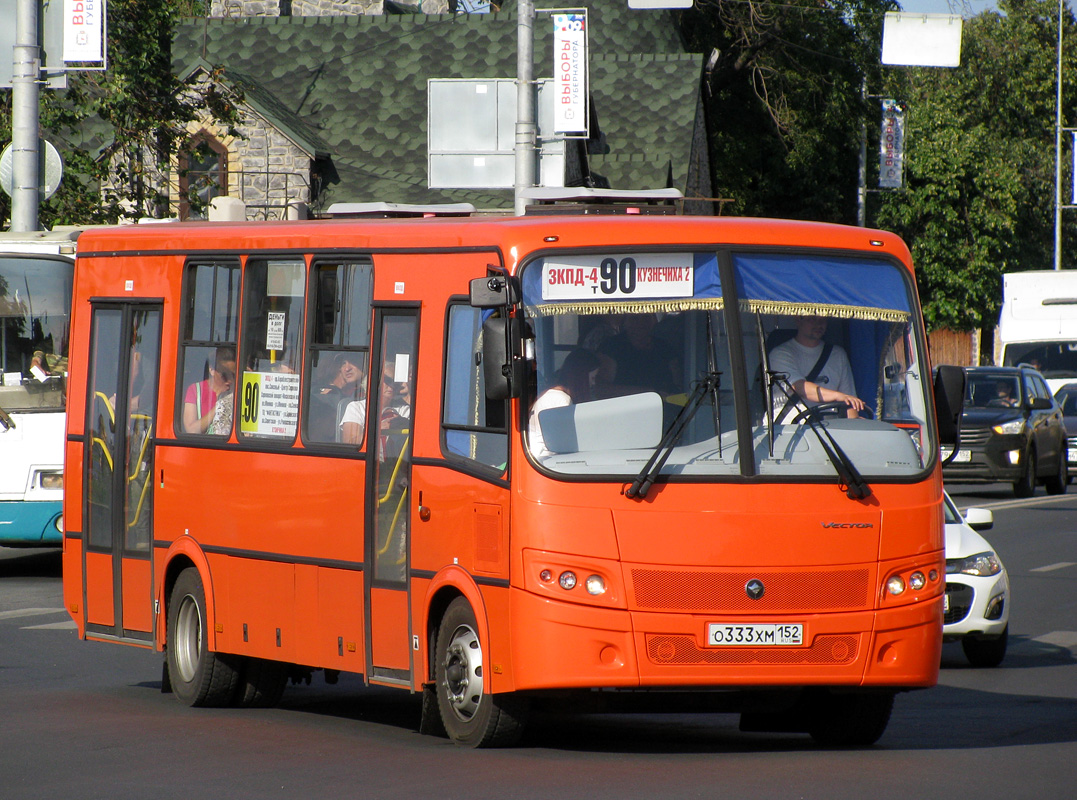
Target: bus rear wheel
{"points": [[261, 683], [472, 715], [198, 676], [856, 719]]}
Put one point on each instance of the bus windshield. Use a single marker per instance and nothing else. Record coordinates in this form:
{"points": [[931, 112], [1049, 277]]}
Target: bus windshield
{"points": [[781, 360], [35, 302]]}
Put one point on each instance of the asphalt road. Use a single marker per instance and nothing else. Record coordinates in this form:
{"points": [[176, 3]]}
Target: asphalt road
{"points": [[88, 720]]}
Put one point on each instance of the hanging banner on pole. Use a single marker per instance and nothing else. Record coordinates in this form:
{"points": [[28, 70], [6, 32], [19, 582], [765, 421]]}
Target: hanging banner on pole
{"points": [[1074, 193], [84, 31], [570, 72], [892, 145]]}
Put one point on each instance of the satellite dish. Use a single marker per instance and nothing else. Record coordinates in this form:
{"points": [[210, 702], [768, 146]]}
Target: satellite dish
{"points": [[49, 174]]}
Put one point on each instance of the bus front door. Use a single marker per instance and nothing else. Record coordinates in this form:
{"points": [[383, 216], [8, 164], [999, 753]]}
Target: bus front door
{"points": [[388, 519], [118, 471]]}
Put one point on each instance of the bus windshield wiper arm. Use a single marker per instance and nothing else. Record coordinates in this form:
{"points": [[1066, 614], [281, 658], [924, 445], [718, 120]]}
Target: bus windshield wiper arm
{"points": [[856, 488], [6, 420], [709, 384]]}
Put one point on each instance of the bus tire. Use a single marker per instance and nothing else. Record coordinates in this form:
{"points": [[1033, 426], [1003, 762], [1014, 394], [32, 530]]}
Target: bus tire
{"points": [[471, 714], [261, 683], [856, 719], [198, 676]]}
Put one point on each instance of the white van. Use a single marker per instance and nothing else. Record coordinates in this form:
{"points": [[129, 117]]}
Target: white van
{"points": [[1038, 324]]}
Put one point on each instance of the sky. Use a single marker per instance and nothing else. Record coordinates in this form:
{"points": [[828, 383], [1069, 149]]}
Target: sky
{"points": [[947, 6]]}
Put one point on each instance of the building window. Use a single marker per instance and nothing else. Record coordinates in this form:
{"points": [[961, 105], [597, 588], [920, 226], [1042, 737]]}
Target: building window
{"points": [[203, 175]]}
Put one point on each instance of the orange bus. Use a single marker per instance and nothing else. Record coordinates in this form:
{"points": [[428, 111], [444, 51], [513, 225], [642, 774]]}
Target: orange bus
{"points": [[512, 462]]}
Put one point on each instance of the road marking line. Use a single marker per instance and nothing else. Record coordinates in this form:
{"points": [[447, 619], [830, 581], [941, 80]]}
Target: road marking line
{"points": [[1053, 567], [1003, 504], [30, 612], [1059, 638], [53, 626]]}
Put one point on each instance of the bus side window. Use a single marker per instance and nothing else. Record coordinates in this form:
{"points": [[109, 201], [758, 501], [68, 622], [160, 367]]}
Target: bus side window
{"points": [[473, 427], [267, 392], [338, 353], [208, 347]]}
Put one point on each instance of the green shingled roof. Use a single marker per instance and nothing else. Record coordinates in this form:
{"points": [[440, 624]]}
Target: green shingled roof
{"points": [[356, 88]]}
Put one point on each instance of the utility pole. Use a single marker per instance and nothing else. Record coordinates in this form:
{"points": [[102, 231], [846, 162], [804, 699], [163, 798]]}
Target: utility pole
{"points": [[526, 130], [1058, 143], [25, 142]]}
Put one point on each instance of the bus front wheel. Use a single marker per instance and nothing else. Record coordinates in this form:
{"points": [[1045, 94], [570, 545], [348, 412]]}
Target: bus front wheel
{"points": [[854, 719], [198, 676], [472, 715]]}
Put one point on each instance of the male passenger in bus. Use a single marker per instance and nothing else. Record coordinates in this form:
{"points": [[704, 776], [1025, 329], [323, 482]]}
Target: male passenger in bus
{"points": [[799, 358], [200, 400], [574, 383], [340, 387], [353, 422], [643, 362]]}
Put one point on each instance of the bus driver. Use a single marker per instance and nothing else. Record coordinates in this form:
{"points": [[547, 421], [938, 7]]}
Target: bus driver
{"points": [[799, 358]]}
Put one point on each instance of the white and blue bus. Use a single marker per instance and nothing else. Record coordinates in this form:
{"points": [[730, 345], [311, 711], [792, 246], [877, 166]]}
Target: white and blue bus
{"points": [[36, 272]]}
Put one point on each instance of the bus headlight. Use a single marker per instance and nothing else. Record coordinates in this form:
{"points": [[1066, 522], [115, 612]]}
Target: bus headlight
{"points": [[896, 585], [595, 585], [567, 580]]}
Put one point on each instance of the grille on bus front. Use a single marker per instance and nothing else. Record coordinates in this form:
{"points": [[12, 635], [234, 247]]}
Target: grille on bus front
{"points": [[699, 591], [679, 650]]}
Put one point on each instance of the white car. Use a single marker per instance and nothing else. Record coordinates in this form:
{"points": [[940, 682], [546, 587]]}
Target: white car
{"points": [[977, 605]]}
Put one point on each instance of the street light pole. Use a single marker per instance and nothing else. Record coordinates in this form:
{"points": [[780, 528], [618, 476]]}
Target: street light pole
{"points": [[25, 144], [526, 129], [1058, 143]]}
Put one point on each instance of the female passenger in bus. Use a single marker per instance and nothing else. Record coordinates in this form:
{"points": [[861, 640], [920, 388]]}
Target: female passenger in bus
{"points": [[222, 411], [200, 400]]}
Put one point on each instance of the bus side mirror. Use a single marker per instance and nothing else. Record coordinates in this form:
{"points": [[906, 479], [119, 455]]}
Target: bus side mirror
{"points": [[949, 402], [493, 291], [503, 370]]}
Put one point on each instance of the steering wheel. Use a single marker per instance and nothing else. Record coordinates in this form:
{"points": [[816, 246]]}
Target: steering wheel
{"points": [[836, 408]]}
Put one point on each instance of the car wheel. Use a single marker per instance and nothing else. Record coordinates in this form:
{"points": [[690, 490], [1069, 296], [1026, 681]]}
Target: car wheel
{"points": [[1025, 486], [1058, 482], [986, 652]]}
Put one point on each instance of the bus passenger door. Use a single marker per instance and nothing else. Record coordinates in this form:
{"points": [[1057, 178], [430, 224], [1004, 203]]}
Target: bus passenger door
{"points": [[118, 471], [388, 520]]}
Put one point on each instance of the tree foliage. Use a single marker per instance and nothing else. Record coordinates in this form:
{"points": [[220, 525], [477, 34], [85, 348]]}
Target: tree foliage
{"points": [[979, 199], [785, 100], [129, 119]]}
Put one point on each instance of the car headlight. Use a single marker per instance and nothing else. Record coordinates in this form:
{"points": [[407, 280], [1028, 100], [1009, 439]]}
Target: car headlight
{"points": [[1013, 426], [981, 565]]}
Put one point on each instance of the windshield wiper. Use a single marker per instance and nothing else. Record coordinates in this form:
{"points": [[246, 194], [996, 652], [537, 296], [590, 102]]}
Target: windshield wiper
{"points": [[6, 420], [709, 384], [856, 488]]}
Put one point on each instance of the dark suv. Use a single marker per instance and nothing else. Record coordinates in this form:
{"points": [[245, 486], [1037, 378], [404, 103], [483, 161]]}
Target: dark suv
{"points": [[1011, 430]]}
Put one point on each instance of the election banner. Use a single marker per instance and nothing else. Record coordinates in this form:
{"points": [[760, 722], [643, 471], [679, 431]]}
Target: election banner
{"points": [[84, 31], [570, 72], [892, 146]]}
